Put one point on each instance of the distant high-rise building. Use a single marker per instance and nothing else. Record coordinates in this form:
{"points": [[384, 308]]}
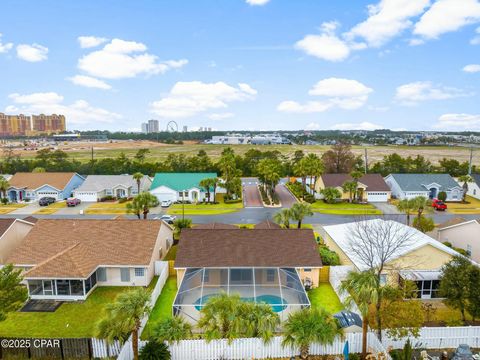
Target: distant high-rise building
{"points": [[22, 125], [48, 124], [201, 128], [185, 128], [153, 126], [145, 128]]}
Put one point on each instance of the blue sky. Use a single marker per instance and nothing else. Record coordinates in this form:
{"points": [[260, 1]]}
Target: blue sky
{"points": [[244, 64]]}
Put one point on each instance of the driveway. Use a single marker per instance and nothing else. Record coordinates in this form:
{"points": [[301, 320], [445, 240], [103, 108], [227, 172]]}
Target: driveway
{"points": [[74, 210], [386, 208], [27, 210], [285, 196], [251, 195]]}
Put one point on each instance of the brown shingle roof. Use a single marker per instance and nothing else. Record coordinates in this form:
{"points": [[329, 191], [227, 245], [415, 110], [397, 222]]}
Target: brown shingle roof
{"points": [[216, 226], [5, 224], [252, 248], [34, 180], [451, 222], [31, 219], [374, 182], [74, 248], [267, 224]]}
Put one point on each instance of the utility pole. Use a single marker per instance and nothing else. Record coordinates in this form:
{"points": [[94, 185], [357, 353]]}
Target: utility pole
{"points": [[470, 162], [366, 161]]}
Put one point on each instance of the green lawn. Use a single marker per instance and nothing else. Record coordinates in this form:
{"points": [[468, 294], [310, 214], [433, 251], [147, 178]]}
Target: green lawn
{"points": [[172, 253], [324, 296], [163, 307], [206, 209], [345, 208], [70, 320]]}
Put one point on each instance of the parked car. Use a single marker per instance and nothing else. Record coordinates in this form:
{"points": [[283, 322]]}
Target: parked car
{"points": [[462, 352], [169, 219], [73, 202], [166, 203], [45, 201], [439, 205]]}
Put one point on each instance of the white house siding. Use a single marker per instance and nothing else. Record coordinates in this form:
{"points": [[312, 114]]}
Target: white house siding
{"points": [[473, 190], [164, 193], [163, 244], [464, 236]]}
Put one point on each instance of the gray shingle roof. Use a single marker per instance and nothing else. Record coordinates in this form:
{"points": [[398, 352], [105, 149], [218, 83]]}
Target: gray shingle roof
{"points": [[476, 178], [419, 182], [102, 182]]}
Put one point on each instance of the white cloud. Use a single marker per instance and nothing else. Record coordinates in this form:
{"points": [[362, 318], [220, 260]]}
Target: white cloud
{"points": [[257, 2], [357, 126], [446, 16], [88, 81], [79, 112], [412, 93], [187, 99], [458, 121], [386, 20], [326, 46], [90, 41], [32, 53], [335, 92], [416, 42], [220, 116], [125, 59], [4, 47], [472, 68], [476, 40]]}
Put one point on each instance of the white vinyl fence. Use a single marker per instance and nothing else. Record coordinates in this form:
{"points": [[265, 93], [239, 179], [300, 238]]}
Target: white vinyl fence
{"points": [[161, 269], [440, 338], [336, 276], [101, 349]]}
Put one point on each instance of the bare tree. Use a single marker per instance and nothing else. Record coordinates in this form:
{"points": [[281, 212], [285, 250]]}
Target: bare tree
{"points": [[375, 244]]}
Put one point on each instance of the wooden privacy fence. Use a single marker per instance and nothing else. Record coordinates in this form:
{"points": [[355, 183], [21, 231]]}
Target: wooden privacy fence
{"points": [[324, 275], [83, 348]]}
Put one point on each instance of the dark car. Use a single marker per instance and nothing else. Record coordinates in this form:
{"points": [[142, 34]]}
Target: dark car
{"points": [[73, 202], [45, 201]]}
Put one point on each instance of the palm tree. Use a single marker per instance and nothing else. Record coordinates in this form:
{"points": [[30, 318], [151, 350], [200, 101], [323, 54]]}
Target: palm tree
{"points": [[361, 290], [465, 179], [219, 318], [283, 218], [314, 168], [421, 204], [124, 316], [307, 326], [300, 171], [142, 203], [4, 185], [206, 184], [258, 320], [356, 175], [154, 350], [215, 184], [172, 330], [406, 206], [138, 176], [351, 188], [299, 211], [330, 194]]}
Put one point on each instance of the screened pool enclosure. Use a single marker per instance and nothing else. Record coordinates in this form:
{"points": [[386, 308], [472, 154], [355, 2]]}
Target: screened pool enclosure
{"points": [[280, 288]]}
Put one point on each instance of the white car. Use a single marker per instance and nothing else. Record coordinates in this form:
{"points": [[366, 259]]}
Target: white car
{"points": [[169, 219], [166, 203]]}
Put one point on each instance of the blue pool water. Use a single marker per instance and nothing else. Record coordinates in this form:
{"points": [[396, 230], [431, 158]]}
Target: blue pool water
{"points": [[267, 299]]}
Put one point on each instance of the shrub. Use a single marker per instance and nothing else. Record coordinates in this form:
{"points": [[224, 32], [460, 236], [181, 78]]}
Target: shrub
{"points": [[354, 356], [309, 198], [264, 195], [424, 224], [297, 189], [442, 195], [4, 201], [155, 350], [448, 243], [122, 200], [108, 198], [232, 201], [328, 256]]}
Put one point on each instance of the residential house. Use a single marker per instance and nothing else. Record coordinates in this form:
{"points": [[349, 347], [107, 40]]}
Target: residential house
{"points": [[474, 186], [370, 188], [407, 186], [12, 233], [33, 186], [461, 233], [262, 265], [420, 259], [96, 187], [181, 186], [66, 259]]}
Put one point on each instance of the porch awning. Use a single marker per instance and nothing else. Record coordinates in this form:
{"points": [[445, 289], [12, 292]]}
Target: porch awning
{"points": [[420, 275]]}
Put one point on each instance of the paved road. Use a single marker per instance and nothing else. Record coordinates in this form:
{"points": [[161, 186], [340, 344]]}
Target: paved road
{"points": [[251, 195], [285, 196]]}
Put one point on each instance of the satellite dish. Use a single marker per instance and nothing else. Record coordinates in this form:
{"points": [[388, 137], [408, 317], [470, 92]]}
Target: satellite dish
{"points": [[172, 126]]}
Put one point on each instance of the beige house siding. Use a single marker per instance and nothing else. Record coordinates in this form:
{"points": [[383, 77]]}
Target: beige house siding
{"points": [[114, 278], [12, 238], [180, 275], [332, 245], [313, 274], [464, 236]]}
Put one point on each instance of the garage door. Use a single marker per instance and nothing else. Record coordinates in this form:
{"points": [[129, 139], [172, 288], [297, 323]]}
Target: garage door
{"points": [[165, 197], [42, 194], [379, 196], [86, 196]]}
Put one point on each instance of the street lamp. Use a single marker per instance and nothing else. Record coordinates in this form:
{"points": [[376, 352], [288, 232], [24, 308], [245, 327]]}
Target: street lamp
{"points": [[183, 205]]}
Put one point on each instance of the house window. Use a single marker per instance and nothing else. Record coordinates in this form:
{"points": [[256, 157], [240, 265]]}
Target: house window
{"points": [[270, 275], [469, 250], [383, 279], [125, 274], [139, 272], [474, 191], [307, 270], [206, 276], [102, 274], [183, 194]]}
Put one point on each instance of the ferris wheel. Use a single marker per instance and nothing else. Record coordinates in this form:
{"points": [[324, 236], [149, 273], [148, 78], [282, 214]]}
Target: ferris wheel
{"points": [[172, 126]]}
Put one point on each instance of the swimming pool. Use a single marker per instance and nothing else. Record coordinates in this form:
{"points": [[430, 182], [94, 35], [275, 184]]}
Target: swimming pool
{"points": [[273, 300]]}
